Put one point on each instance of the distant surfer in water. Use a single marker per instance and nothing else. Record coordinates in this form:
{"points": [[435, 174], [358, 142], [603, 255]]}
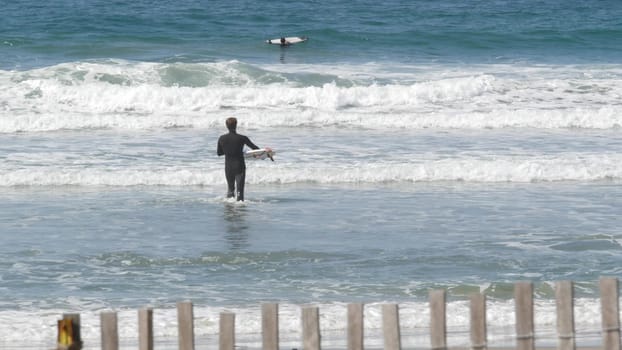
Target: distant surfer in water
{"points": [[284, 42], [231, 145]]}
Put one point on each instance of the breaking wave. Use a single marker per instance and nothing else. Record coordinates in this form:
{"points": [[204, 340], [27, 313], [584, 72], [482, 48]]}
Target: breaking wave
{"points": [[568, 167], [139, 95]]}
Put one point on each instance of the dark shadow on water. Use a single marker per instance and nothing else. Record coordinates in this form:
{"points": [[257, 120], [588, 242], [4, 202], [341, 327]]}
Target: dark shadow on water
{"points": [[235, 217], [282, 58]]}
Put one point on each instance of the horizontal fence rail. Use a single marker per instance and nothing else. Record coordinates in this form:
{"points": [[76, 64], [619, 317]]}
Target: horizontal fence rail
{"points": [[69, 327]]}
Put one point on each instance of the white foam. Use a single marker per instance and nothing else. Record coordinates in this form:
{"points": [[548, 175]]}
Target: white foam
{"points": [[599, 118], [564, 167], [128, 95], [40, 326]]}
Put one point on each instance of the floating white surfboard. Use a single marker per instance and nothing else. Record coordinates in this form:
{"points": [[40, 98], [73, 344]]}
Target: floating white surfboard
{"points": [[261, 153], [290, 40]]}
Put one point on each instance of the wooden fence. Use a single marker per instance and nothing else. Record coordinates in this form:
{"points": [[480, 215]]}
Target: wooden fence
{"points": [[69, 337]]}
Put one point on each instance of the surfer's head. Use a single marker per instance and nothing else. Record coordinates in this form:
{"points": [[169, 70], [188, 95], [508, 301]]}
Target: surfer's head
{"points": [[231, 123]]}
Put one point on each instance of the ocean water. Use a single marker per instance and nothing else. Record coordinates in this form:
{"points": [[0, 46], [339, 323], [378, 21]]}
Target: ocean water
{"points": [[420, 145]]}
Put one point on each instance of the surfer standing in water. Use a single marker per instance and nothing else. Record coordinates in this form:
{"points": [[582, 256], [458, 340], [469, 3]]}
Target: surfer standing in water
{"points": [[231, 145]]}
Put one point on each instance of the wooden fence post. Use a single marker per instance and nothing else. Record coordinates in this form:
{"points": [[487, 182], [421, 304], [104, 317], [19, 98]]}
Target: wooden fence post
{"points": [[610, 306], [185, 325], [270, 326], [355, 326], [479, 340], [438, 325], [226, 337], [564, 300], [523, 297], [311, 328], [145, 329], [68, 337], [391, 327], [109, 331]]}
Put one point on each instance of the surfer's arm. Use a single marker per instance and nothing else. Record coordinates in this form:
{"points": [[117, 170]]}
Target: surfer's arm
{"points": [[249, 143], [219, 150]]}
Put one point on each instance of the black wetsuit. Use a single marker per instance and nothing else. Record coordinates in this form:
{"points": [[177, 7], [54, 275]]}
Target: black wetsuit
{"points": [[231, 145]]}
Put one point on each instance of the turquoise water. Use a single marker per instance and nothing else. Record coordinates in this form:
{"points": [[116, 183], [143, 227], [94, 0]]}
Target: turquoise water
{"points": [[420, 145], [36, 34]]}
